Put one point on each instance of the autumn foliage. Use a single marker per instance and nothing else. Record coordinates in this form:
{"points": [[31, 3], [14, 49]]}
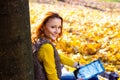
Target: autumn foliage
{"points": [[88, 34]]}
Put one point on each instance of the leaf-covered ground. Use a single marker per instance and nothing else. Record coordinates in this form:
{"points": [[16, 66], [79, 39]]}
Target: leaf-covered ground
{"points": [[88, 34]]}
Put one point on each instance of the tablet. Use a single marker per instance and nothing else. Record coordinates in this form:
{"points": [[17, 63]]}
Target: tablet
{"points": [[90, 70]]}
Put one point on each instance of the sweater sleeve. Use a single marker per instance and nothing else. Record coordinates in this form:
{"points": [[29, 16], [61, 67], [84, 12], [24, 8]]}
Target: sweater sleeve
{"points": [[67, 61], [46, 55]]}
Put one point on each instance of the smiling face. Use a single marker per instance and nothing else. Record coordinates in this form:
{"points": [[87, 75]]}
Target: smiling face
{"points": [[53, 28]]}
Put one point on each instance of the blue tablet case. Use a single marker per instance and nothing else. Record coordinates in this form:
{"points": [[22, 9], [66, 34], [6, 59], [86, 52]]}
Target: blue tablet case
{"points": [[90, 70]]}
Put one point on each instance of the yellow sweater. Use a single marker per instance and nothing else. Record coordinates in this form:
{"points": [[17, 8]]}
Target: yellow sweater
{"points": [[46, 54]]}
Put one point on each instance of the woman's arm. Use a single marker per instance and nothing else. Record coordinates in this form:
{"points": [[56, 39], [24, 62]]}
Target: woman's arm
{"points": [[67, 61]]}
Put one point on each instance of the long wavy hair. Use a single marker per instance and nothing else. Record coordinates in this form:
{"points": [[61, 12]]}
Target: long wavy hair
{"points": [[37, 31]]}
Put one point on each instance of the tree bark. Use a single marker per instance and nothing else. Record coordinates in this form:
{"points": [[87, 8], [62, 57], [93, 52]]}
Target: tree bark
{"points": [[15, 42]]}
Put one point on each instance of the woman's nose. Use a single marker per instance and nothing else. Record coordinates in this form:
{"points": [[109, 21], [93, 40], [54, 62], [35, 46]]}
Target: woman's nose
{"points": [[57, 30]]}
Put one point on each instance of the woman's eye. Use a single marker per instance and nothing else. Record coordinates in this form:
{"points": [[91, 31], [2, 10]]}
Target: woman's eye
{"points": [[56, 27], [52, 26], [59, 27]]}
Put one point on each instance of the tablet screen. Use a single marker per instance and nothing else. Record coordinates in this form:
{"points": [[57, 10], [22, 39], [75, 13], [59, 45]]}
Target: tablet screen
{"points": [[90, 70]]}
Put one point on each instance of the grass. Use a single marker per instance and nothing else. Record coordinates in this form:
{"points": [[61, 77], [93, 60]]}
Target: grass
{"points": [[111, 0]]}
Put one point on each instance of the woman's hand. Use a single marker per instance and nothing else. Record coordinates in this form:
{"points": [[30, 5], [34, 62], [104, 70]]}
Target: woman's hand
{"points": [[77, 65]]}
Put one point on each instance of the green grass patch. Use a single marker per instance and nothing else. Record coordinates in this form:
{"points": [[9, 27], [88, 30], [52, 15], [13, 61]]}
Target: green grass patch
{"points": [[111, 0]]}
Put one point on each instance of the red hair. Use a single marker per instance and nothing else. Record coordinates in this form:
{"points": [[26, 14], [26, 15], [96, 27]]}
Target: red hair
{"points": [[36, 31]]}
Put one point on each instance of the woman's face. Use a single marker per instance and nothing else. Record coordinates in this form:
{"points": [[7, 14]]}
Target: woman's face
{"points": [[52, 29]]}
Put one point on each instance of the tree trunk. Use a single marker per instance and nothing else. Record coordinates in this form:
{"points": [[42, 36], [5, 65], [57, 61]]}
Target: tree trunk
{"points": [[15, 43]]}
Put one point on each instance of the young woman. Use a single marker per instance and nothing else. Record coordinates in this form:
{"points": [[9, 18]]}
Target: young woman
{"points": [[46, 33]]}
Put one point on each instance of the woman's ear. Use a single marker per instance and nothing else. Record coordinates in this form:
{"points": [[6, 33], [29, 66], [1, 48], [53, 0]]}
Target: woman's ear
{"points": [[41, 29]]}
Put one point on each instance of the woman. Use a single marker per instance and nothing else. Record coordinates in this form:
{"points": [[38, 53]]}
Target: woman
{"points": [[47, 33]]}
